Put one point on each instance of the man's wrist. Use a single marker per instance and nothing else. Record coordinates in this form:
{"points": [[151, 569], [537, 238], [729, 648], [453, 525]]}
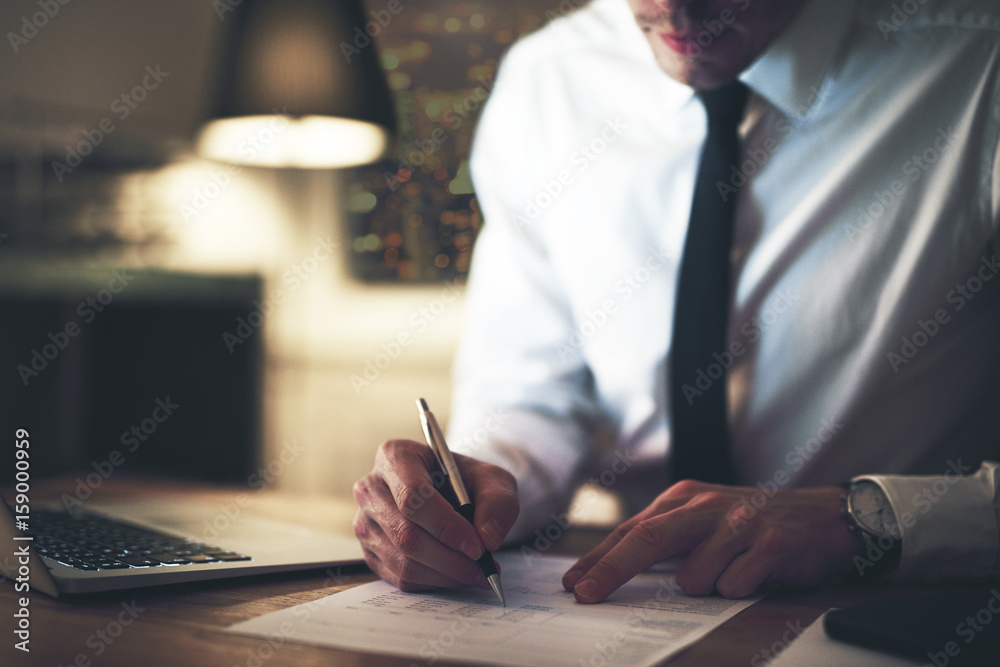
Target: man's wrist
{"points": [[869, 516]]}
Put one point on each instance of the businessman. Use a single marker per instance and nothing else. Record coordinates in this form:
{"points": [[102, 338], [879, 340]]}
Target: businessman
{"points": [[739, 267]]}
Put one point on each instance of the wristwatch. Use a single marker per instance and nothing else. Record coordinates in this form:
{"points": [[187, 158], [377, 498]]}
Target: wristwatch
{"points": [[869, 513]]}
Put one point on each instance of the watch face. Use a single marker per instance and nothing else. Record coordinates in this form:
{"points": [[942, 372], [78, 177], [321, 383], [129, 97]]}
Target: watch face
{"points": [[871, 509]]}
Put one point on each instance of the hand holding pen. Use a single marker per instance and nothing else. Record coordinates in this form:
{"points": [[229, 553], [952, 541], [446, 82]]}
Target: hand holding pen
{"points": [[412, 535], [437, 443]]}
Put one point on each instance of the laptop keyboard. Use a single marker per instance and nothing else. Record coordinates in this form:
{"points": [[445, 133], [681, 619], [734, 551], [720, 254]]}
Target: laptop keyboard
{"points": [[86, 541]]}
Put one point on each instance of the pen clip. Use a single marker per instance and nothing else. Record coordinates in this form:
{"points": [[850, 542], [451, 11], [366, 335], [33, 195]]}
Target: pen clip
{"points": [[435, 438], [429, 435]]}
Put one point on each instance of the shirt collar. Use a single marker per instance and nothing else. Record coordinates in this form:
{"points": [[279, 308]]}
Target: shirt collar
{"points": [[790, 72]]}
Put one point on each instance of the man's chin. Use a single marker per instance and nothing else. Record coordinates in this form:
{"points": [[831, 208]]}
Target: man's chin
{"points": [[704, 68], [700, 76]]}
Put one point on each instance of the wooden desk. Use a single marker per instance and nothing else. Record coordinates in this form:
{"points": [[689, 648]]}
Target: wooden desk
{"points": [[181, 624]]}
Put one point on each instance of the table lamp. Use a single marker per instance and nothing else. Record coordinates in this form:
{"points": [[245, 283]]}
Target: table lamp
{"points": [[298, 87]]}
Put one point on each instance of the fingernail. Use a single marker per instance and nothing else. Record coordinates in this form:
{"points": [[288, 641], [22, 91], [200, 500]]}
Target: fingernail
{"points": [[490, 533], [572, 577], [586, 589], [470, 549]]}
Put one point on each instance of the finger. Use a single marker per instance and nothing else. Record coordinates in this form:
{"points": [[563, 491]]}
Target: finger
{"points": [[573, 575], [405, 574], [405, 469], [397, 541], [426, 579], [494, 492], [649, 541], [760, 564], [708, 560], [584, 564]]}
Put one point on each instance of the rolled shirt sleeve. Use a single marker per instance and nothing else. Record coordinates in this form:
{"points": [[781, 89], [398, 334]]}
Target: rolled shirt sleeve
{"points": [[948, 523], [520, 399]]}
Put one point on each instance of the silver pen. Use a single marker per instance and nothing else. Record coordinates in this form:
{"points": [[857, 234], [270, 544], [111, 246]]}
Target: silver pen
{"points": [[435, 439]]}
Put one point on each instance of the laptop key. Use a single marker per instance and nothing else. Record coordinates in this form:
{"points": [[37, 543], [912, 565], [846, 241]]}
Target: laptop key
{"points": [[139, 561], [170, 559], [90, 542], [203, 558], [111, 565]]}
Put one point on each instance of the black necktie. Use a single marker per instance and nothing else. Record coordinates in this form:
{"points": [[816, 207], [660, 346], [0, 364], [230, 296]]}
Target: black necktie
{"points": [[700, 434]]}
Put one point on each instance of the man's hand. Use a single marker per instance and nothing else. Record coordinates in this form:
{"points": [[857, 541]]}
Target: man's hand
{"points": [[797, 538], [412, 537]]}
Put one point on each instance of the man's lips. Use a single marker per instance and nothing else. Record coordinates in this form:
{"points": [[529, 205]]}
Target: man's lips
{"points": [[683, 43]]}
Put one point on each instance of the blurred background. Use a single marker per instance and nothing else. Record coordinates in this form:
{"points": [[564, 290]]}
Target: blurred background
{"points": [[237, 319]]}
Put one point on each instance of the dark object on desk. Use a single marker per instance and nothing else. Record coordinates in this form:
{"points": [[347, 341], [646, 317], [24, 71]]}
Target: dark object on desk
{"points": [[956, 627], [92, 401]]}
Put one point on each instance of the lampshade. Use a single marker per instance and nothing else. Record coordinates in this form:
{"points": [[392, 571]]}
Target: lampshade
{"points": [[300, 85]]}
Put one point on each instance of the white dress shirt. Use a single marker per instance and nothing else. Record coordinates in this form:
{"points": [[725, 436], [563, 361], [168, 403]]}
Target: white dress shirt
{"points": [[865, 318]]}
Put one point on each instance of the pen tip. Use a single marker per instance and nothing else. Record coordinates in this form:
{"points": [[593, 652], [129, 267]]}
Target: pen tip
{"points": [[422, 404], [494, 580]]}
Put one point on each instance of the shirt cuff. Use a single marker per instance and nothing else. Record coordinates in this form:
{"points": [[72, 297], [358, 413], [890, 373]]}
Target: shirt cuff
{"points": [[948, 523]]}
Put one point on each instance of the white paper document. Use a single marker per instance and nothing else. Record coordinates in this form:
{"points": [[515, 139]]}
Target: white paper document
{"points": [[640, 624]]}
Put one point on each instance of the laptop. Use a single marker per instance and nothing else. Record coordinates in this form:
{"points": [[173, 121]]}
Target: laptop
{"points": [[151, 543]]}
